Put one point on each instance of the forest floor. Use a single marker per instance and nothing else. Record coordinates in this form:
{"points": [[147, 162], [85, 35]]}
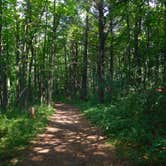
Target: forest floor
{"points": [[70, 140]]}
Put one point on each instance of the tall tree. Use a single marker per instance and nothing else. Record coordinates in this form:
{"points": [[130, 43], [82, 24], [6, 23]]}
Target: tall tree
{"points": [[164, 59], [52, 55], [101, 54], [85, 58], [1, 52], [137, 30]]}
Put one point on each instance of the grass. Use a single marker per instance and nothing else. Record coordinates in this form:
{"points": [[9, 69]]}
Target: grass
{"points": [[17, 129], [134, 124]]}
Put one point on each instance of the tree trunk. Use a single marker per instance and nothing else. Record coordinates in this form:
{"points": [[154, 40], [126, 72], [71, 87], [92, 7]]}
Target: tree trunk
{"points": [[4, 89], [23, 74], [30, 94], [111, 61], [75, 68], [17, 37], [164, 59], [136, 50], [128, 48], [85, 60], [1, 53], [51, 58], [66, 71], [3, 68], [101, 54], [43, 65]]}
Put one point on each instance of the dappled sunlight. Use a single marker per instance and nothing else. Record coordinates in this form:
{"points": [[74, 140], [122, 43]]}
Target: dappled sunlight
{"points": [[99, 153], [48, 135], [69, 140], [43, 151], [61, 148], [52, 129]]}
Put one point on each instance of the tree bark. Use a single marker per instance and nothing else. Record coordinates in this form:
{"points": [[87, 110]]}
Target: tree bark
{"points": [[128, 47], [0, 52], [17, 47], [136, 49], [51, 58], [85, 60], [101, 54], [3, 68], [164, 59], [23, 73], [75, 68], [111, 60], [66, 86]]}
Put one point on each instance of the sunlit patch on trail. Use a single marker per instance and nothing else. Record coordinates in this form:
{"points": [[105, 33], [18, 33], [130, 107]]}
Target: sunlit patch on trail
{"points": [[69, 140]]}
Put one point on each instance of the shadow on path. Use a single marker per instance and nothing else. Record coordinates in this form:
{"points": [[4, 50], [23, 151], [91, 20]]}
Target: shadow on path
{"points": [[69, 140]]}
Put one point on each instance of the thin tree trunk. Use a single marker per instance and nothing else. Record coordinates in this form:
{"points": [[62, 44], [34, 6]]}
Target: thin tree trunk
{"points": [[4, 89], [1, 53], [85, 60], [75, 68], [17, 36], [29, 95], [111, 61], [101, 54], [136, 50], [3, 78], [128, 48], [164, 59], [43, 66], [66, 71], [23, 80], [52, 56]]}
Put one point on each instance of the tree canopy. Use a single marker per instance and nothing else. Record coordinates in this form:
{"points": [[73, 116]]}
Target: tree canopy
{"points": [[102, 50]]}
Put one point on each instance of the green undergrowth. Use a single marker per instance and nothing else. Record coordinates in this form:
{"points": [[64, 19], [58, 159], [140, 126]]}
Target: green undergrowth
{"points": [[17, 128], [134, 124]]}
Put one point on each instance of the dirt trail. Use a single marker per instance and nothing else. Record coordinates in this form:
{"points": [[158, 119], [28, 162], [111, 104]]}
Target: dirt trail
{"points": [[70, 140]]}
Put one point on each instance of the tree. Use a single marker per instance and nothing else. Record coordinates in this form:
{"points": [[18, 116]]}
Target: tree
{"points": [[51, 49], [164, 59], [85, 57], [101, 54]]}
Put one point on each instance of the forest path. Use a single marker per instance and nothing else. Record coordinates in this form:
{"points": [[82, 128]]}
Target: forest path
{"points": [[70, 140]]}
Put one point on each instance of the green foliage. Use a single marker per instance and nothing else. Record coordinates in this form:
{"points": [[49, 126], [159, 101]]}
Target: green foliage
{"points": [[17, 129], [135, 124], [42, 58]]}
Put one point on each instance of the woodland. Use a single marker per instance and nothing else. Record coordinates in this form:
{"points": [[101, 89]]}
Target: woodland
{"points": [[106, 57]]}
